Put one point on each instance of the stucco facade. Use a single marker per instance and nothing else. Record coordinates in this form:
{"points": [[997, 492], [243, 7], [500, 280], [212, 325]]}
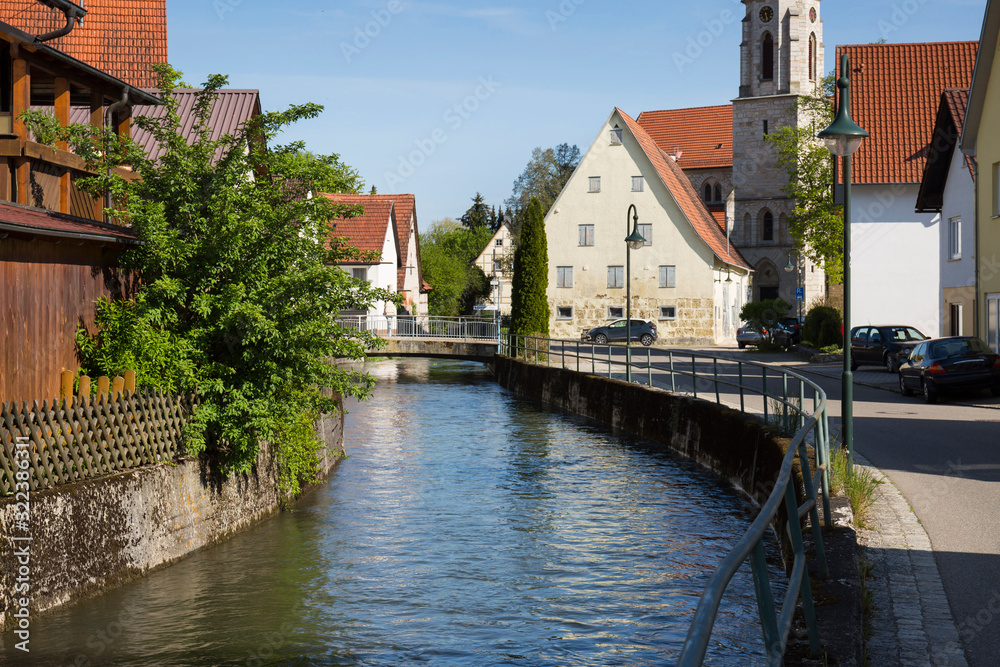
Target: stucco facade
{"points": [[497, 262], [676, 279], [958, 251], [981, 138]]}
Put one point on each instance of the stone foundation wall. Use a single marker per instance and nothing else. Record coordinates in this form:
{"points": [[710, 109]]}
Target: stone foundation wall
{"points": [[93, 535]]}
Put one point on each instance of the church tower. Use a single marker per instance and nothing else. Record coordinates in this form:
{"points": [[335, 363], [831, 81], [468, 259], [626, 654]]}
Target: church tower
{"points": [[781, 58]]}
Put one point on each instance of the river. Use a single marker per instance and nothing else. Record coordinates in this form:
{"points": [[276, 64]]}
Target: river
{"points": [[468, 526]]}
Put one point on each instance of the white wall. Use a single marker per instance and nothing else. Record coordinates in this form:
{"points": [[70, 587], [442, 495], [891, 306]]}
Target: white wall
{"points": [[959, 201], [895, 259]]}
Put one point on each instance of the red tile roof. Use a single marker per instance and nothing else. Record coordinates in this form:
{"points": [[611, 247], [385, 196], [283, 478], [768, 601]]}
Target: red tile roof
{"points": [[895, 92], [687, 199], [120, 37], [943, 141], [704, 135], [367, 231], [405, 213], [957, 100], [26, 219]]}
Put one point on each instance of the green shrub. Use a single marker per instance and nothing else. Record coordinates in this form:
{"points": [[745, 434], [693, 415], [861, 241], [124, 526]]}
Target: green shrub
{"points": [[822, 326]]}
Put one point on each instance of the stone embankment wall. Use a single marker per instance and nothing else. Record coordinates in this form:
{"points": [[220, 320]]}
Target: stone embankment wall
{"points": [[740, 448], [93, 535]]}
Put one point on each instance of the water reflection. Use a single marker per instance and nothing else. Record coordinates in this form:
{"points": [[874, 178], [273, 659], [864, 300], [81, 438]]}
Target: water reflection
{"points": [[467, 527]]}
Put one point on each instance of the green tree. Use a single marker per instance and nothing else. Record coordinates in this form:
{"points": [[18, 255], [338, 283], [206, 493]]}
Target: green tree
{"points": [[239, 291], [765, 317], [817, 224], [529, 312], [447, 253], [321, 173], [478, 214], [543, 178]]}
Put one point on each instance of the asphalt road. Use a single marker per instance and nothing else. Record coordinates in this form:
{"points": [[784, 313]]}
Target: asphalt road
{"points": [[944, 459]]}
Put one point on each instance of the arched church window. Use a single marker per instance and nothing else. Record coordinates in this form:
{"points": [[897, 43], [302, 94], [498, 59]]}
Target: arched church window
{"points": [[718, 192], [767, 229], [767, 57], [812, 57], [708, 193]]}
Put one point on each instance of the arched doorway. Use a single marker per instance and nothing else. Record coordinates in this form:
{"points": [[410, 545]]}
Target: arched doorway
{"points": [[766, 280]]}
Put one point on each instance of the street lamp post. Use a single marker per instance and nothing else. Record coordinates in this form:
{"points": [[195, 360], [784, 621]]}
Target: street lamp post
{"points": [[633, 241], [843, 138]]}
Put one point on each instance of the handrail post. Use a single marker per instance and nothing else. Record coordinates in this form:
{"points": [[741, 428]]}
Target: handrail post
{"points": [[694, 377], [765, 598], [673, 380], [715, 371], [805, 589], [763, 377], [739, 365], [649, 367]]}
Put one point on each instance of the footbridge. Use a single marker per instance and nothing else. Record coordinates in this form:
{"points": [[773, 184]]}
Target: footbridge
{"points": [[463, 338]]}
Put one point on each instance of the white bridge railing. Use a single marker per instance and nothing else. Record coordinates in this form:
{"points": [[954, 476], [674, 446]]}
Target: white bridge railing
{"points": [[424, 326]]}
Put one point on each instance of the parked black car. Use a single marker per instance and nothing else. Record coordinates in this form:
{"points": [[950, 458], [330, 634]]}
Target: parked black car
{"points": [[885, 345], [791, 328], [950, 364], [642, 331]]}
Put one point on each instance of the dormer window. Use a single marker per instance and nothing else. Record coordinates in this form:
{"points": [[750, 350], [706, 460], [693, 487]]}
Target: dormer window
{"points": [[616, 136]]}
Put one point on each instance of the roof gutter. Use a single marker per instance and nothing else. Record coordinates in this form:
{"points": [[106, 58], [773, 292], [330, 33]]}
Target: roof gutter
{"points": [[80, 236], [74, 14]]}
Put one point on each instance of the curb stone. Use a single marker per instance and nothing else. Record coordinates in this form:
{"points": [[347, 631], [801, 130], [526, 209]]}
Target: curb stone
{"points": [[912, 622]]}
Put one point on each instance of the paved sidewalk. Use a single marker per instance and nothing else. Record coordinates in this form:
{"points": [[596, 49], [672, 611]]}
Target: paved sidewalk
{"points": [[912, 622]]}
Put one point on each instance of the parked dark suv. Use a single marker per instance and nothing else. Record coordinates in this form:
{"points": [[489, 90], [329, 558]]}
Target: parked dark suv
{"points": [[642, 331], [885, 345]]}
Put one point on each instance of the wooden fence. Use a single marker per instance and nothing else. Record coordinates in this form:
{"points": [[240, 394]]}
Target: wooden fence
{"points": [[81, 437]]}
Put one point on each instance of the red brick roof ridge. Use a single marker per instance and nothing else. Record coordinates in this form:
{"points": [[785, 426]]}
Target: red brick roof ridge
{"points": [[896, 91], [704, 134], [687, 199], [367, 231]]}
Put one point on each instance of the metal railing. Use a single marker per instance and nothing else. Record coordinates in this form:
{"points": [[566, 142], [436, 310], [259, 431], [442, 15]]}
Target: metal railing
{"points": [[786, 398], [424, 326]]}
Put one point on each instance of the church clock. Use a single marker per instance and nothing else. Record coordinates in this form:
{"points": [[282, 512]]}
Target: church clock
{"points": [[766, 14]]}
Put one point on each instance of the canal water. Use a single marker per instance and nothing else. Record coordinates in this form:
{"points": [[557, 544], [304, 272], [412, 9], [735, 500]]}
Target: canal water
{"points": [[469, 526]]}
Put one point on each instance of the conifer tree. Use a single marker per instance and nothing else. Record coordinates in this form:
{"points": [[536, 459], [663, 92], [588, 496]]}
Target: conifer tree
{"points": [[529, 304]]}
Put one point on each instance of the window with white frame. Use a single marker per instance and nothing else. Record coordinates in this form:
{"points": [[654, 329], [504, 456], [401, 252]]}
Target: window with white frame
{"points": [[564, 276], [668, 276], [616, 276], [638, 184], [595, 184], [564, 312], [360, 274], [586, 235], [955, 238], [646, 232], [668, 312], [499, 243], [614, 312]]}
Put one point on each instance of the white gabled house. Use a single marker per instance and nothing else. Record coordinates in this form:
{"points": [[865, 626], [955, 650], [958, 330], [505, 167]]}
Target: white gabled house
{"points": [[687, 278], [375, 231], [497, 262]]}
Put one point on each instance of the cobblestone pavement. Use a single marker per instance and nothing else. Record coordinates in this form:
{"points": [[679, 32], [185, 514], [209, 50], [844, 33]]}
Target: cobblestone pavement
{"points": [[912, 622]]}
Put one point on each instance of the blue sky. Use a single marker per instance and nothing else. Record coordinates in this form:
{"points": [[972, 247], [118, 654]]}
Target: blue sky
{"points": [[444, 99]]}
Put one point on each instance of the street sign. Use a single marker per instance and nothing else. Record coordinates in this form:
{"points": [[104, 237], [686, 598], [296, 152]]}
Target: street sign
{"points": [[480, 307], [800, 293]]}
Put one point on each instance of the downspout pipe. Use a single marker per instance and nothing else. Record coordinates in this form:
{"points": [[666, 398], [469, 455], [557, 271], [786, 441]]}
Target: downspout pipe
{"points": [[108, 115], [73, 14]]}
